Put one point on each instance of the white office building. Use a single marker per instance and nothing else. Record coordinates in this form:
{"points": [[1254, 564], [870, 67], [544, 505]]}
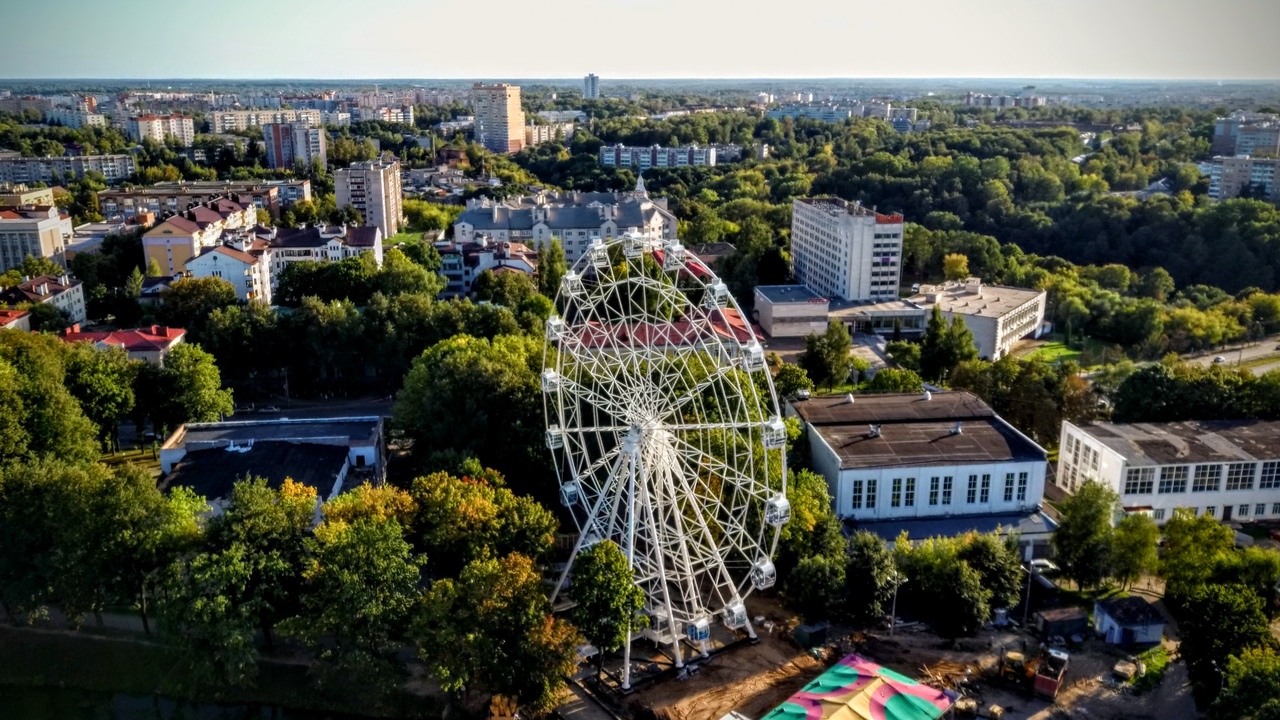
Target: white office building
{"points": [[930, 464], [1228, 470], [845, 251]]}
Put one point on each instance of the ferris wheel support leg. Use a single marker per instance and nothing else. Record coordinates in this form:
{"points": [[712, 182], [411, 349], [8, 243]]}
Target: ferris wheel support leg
{"points": [[631, 553]]}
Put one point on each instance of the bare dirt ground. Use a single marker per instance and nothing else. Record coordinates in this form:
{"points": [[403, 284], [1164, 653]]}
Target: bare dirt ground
{"points": [[754, 679]]}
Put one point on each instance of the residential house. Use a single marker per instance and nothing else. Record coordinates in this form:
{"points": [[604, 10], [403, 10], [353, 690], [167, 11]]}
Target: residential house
{"points": [[150, 344], [62, 292], [322, 244], [1128, 621], [463, 262], [16, 319], [249, 274]]}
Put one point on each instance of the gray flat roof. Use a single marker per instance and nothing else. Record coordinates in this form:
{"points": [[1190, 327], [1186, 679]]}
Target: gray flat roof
{"points": [[990, 301], [1190, 442], [1029, 524], [789, 294], [915, 431], [212, 473], [355, 429]]}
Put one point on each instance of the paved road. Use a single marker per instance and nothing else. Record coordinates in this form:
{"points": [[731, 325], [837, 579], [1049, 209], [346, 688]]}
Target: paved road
{"points": [[1254, 352]]}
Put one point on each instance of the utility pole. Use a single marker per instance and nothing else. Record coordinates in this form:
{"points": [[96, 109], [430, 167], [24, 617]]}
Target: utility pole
{"points": [[898, 581]]}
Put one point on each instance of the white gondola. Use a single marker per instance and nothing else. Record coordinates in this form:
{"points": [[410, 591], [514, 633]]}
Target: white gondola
{"points": [[555, 329], [599, 254], [717, 296], [570, 492], [775, 434], [753, 357], [673, 257], [550, 381], [763, 574], [571, 284], [735, 616], [633, 246], [777, 510], [555, 438], [698, 631]]}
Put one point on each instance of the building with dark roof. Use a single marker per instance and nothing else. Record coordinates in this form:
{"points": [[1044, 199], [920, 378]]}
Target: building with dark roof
{"points": [[1227, 469], [462, 263], [322, 244], [1128, 621], [326, 453], [922, 457], [573, 218], [62, 292]]}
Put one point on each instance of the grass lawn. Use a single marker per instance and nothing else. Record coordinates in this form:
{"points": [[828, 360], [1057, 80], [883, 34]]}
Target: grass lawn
{"points": [[142, 458], [1054, 350], [1086, 598], [1156, 661]]}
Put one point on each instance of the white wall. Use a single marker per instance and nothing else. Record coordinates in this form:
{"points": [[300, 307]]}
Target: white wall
{"points": [[1113, 633]]}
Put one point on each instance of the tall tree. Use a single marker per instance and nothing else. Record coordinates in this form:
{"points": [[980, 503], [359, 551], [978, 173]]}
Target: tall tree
{"points": [[1082, 541], [102, 380], [188, 303], [1133, 549], [826, 357], [955, 266], [1194, 546], [815, 587], [869, 578], [609, 603], [551, 268], [1218, 622], [1251, 686], [188, 388], [790, 380]]}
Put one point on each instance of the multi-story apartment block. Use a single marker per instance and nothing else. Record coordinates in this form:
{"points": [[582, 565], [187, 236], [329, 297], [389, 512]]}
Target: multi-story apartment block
{"points": [[644, 158], [61, 292], [573, 218], [13, 195], [322, 244], [68, 117], [162, 127], [1227, 469], [25, 102], [229, 120], [30, 231], [499, 124], [114, 168], [591, 87], [535, 135], [291, 144], [402, 114], [373, 188], [1262, 139], [168, 198], [248, 273], [462, 263], [1227, 131], [336, 117], [1003, 101], [845, 251], [1232, 176], [179, 238]]}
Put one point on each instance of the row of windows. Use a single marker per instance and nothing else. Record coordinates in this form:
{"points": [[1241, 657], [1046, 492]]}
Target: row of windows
{"points": [[1258, 509], [1205, 478], [902, 491]]}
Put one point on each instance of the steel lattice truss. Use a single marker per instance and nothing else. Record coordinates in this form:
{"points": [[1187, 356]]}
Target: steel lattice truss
{"points": [[665, 431]]}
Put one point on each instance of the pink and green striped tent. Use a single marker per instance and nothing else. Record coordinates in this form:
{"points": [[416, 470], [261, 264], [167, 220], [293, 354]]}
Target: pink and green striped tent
{"points": [[857, 689]]}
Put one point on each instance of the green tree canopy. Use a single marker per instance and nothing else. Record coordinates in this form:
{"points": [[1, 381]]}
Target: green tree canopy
{"points": [[609, 603], [1083, 540]]}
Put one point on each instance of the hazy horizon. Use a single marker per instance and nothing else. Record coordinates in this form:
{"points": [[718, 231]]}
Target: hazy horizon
{"points": [[1142, 40]]}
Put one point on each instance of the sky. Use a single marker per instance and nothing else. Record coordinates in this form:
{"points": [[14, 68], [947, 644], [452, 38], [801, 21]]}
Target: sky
{"points": [[620, 39]]}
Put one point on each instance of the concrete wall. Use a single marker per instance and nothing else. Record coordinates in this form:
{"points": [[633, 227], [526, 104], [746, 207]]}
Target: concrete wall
{"points": [[923, 476], [1112, 631]]}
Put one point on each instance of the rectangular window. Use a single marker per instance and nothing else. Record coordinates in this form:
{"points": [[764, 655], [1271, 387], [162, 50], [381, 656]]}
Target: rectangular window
{"points": [[1211, 511], [1158, 513], [1139, 481], [871, 493], [1008, 487], [933, 491], [1023, 481], [946, 490], [1260, 509], [895, 495], [1240, 476], [910, 499], [972, 496], [857, 494], [1173, 479], [1208, 478], [986, 489], [1243, 511], [1270, 478]]}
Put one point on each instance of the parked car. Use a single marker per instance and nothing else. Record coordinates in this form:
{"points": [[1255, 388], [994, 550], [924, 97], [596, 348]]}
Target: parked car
{"points": [[802, 394], [270, 409], [1043, 566], [1219, 359]]}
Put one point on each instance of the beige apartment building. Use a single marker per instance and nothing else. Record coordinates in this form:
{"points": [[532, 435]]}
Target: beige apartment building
{"points": [[229, 120], [373, 188], [161, 127], [499, 124], [36, 231]]}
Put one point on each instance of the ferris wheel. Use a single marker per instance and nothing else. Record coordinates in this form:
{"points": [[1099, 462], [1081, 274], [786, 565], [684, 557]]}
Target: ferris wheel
{"points": [[665, 433]]}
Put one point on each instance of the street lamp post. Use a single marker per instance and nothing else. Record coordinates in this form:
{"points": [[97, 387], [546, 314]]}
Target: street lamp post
{"points": [[898, 581], [1026, 607]]}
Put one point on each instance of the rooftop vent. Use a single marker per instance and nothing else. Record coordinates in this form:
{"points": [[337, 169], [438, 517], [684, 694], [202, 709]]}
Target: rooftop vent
{"points": [[849, 398], [873, 431], [958, 428], [928, 395]]}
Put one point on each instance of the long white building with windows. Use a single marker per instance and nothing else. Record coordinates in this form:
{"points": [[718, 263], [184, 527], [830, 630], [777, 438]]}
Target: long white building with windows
{"points": [[930, 464], [845, 251], [1228, 470]]}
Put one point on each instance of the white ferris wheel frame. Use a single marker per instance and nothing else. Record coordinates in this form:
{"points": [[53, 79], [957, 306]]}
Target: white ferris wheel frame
{"points": [[662, 438]]}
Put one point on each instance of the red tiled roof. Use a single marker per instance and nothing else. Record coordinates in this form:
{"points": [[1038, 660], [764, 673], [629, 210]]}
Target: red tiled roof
{"points": [[156, 337], [8, 316], [26, 292], [10, 215], [231, 252], [179, 223]]}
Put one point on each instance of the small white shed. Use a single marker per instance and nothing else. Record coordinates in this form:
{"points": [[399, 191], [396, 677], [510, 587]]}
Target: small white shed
{"points": [[1128, 621]]}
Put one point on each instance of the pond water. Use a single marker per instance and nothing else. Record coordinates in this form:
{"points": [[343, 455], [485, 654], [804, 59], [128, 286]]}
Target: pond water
{"points": [[47, 703]]}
